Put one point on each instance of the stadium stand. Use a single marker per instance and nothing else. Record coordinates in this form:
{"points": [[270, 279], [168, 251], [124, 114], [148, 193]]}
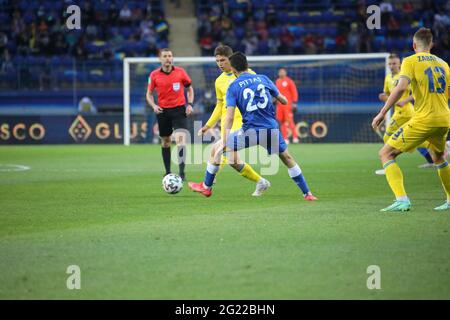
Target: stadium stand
{"points": [[261, 27], [38, 53]]}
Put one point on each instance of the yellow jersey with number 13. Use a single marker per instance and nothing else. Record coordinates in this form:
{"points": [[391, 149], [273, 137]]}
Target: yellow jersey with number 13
{"points": [[429, 77]]}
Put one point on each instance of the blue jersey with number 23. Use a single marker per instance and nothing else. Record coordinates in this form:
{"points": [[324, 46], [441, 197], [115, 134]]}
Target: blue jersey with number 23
{"points": [[252, 95]]}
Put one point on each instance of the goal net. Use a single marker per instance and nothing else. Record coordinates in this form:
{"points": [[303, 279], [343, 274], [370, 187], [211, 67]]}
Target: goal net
{"points": [[338, 94]]}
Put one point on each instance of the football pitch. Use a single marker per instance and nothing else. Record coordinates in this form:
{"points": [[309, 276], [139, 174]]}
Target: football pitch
{"points": [[102, 208]]}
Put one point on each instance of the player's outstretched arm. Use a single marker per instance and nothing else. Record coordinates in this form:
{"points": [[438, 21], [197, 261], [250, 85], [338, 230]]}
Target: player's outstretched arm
{"points": [[282, 99], [215, 116]]}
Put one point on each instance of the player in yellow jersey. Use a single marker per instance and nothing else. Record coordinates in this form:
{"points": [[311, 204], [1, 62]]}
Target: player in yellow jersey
{"points": [[222, 53], [403, 110], [429, 77]]}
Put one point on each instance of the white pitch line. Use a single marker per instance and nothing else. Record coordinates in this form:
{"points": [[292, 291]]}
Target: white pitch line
{"points": [[13, 167]]}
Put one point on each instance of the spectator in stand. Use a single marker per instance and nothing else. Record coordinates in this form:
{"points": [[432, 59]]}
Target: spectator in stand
{"points": [[386, 9], [393, 27], [274, 44], [310, 46], [7, 65], [3, 42], [365, 43], [286, 40], [230, 39], [353, 39], [86, 106], [206, 45], [250, 43], [136, 15], [341, 43], [46, 77], [441, 23], [261, 30], [125, 15]]}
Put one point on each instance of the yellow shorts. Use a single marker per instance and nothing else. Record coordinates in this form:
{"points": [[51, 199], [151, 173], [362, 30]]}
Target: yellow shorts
{"points": [[395, 124], [414, 134]]}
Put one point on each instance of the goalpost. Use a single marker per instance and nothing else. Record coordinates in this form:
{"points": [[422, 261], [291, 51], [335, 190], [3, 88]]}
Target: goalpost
{"points": [[341, 88]]}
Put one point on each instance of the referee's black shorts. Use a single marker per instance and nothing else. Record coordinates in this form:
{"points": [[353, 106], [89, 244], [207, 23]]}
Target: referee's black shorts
{"points": [[171, 119]]}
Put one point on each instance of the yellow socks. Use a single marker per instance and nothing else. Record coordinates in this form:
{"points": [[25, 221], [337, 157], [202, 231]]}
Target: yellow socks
{"points": [[249, 173], [444, 175], [394, 178]]}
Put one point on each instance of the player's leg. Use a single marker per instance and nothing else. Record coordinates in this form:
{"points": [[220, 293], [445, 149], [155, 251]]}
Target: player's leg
{"points": [[179, 123], [246, 171], [212, 167], [224, 159], [394, 177], [165, 151], [437, 151], [408, 137], [395, 124], [272, 139], [281, 120], [391, 128], [180, 139], [165, 133], [291, 124], [296, 174]]}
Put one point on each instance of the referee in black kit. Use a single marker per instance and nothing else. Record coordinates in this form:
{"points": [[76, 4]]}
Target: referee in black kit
{"points": [[171, 111]]}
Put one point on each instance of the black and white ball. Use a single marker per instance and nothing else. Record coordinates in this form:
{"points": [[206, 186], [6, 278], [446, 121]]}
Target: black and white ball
{"points": [[172, 183]]}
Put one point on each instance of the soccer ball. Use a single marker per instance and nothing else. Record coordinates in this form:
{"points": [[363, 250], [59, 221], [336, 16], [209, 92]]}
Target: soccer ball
{"points": [[172, 183]]}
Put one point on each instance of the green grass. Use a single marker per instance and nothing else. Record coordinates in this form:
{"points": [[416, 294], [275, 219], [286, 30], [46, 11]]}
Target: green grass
{"points": [[102, 208]]}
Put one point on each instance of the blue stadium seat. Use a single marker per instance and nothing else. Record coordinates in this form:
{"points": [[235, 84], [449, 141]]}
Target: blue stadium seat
{"points": [[263, 48], [66, 60], [126, 32], [98, 75], [28, 5], [239, 32], [274, 31], [261, 3], [293, 17], [117, 75], [4, 18], [297, 31], [55, 5], [238, 16], [236, 4]]}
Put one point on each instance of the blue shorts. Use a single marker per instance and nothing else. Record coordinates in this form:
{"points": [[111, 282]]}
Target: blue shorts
{"points": [[270, 139]]}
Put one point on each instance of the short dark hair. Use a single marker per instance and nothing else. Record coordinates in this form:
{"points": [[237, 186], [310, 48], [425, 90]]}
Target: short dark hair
{"points": [[223, 50], [424, 36], [393, 56], [163, 50], [238, 61]]}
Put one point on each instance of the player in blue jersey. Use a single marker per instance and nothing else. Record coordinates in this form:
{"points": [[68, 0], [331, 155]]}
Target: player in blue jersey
{"points": [[252, 95]]}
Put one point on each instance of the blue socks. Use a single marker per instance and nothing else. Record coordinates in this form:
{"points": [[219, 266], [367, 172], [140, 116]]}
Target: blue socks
{"points": [[210, 174], [424, 152], [296, 174]]}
